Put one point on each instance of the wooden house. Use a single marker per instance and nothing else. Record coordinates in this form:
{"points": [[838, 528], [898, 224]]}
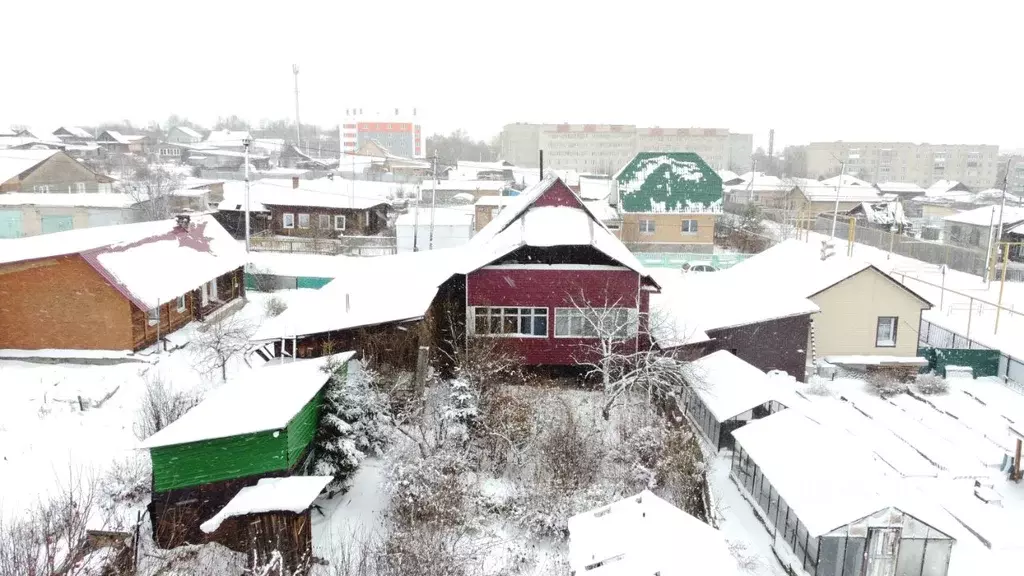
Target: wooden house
{"points": [[256, 427], [74, 135], [115, 142], [48, 172], [270, 521], [183, 135], [533, 281], [121, 287], [669, 202]]}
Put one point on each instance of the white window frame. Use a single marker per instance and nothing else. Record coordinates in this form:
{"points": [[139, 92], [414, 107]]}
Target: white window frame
{"points": [[41, 188], [499, 314], [80, 187], [343, 221], [288, 220], [181, 303], [576, 325], [646, 226], [685, 224], [306, 215], [893, 323], [324, 221]]}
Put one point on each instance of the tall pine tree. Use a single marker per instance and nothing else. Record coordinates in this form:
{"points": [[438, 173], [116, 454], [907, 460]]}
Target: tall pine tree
{"points": [[354, 424]]}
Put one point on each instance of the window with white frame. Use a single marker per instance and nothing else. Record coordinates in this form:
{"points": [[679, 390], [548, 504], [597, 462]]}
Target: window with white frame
{"points": [[595, 322], [325, 221], [181, 303], [303, 220], [339, 222], [689, 226], [288, 220], [80, 187], [103, 187], [646, 226], [508, 321], [885, 333], [41, 188]]}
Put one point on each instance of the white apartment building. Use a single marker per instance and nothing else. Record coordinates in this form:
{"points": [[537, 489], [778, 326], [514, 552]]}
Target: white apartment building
{"points": [[604, 148], [922, 164]]}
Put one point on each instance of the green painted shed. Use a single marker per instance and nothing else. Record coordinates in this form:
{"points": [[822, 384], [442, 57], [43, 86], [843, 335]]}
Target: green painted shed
{"points": [[668, 182], [258, 426]]}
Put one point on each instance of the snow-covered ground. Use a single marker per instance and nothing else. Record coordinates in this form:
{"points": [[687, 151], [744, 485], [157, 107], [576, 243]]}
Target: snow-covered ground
{"points": [[46, 435]]}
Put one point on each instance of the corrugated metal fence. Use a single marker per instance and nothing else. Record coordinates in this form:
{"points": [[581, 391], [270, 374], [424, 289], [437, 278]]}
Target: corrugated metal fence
{"points": [[1010, 369]]}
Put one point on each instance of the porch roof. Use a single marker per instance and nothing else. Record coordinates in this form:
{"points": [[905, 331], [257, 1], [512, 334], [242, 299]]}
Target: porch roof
{"points": [[728, 386]]}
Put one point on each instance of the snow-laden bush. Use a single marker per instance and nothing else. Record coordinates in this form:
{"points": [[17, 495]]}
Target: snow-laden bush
{"points": [[160, 406], [932, 384], [505, 426], [274, 306], [818, 387], [431, 489], [885, 384], [570, 455], [545, 512], [354, 423], [461, 411]]}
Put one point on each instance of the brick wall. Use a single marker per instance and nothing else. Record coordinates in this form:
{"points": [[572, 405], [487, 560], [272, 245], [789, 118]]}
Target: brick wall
{"points": [[553, 287], [61, 303]]}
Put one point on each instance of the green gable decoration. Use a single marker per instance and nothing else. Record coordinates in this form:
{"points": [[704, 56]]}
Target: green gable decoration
{"points": [[261, 424], [669, 182]]}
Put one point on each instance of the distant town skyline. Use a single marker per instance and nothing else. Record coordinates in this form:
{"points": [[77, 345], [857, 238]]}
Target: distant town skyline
{"points": [[809, 70]]}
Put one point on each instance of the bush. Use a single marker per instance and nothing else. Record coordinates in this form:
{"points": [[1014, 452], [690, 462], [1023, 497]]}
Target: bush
{"points": [[505, 426], [428, 489], [274, 306], [929, 384], [570, 456], [884, 384], [161, 406], [818, 387]]}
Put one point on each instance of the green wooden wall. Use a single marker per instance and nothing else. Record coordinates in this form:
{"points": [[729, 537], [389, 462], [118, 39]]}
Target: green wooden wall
{"points": [[208, 461], [984, 362], [302, 428]]}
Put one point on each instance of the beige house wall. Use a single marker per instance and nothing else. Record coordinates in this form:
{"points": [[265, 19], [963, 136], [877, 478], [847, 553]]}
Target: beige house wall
{"points": [[849, 316], [668, 228]]}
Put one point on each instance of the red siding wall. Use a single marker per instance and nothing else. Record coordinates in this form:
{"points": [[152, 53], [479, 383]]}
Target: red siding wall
{"points": [[558, 195], [553, 287]]}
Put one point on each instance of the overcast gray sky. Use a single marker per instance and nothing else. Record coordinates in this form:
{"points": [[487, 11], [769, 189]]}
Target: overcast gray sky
{"points": [[916, 70]]}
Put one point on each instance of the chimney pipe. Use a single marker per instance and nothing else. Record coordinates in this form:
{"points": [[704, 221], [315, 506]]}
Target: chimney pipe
{"points": [[183, 221], [348, 303], [541, 164], [295, 182]]}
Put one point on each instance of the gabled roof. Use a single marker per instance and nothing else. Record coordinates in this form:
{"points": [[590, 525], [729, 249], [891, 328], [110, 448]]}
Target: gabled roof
{"points": [[16, 162], [899, 188], [113, 136], [1012, 215], [188, 132], [227, 137], [729, 386], [312, 193], [672, 182], [87, 200], [288, 494], [262, 400], [149, 262], [73, 131], [596, 188], [942, 187], [847, 181], [824, 191]]}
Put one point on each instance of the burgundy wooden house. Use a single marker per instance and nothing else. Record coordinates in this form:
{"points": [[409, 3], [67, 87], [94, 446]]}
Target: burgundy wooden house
{"points": [[535, 278]]}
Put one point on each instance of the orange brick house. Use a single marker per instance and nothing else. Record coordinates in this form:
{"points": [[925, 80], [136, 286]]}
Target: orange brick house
{"points": [[115, 287]]}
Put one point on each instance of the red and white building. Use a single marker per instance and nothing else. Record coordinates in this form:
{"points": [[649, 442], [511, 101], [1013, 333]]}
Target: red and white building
{"points": [[396, 130], [529, 277]]}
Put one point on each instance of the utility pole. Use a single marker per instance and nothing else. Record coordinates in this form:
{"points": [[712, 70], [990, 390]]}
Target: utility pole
{"points": [[989, 258], [1002, 205], [433, 198], [298, 125], [245, 144], [416, 220], [839, 186]]}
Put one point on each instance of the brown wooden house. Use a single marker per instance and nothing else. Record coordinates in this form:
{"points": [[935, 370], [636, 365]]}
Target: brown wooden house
{"points": [[48, 171], [120, 287]]}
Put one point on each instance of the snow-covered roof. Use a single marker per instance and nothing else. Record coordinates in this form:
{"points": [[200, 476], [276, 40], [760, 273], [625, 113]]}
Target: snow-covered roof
{"points": [[729, 386], [760, 182], [644, 534], [262, 400], [494, 200], [883, 213], [14, 162], [847, 181], [692, 304], [672, 182], [604, 211], [289, 494], [942, 187], [822, 192], [189, 132], [842, 483], [271, 192], [982, 216], [596, 188], [465, 185], [727, 175], [119, 138], [227, 137], [74, 131], [148, 262], [899, 188], [85, 200]]}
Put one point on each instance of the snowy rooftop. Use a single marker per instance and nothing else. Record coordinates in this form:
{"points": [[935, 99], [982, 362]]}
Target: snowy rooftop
{"points": [[189, 132], [941, 187], [692, 304], [495, 200], [465, 185], [93, 200], [596, 188], [148, 262], [843, 481], [227, 137], [265, 399], [75, 131], [123, 138], [823, 191], [14, 162], [441, 217], [727, 175], [900, 188], [983, 216], [847, 181], [729, 386], [673, 182], [289, 494], [312, 193], [644, 534]]}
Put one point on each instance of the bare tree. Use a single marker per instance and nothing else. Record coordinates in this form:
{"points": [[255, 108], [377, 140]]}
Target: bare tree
{"points": [[218, 342], [619, 347], [151, 187], [160, 406]]}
